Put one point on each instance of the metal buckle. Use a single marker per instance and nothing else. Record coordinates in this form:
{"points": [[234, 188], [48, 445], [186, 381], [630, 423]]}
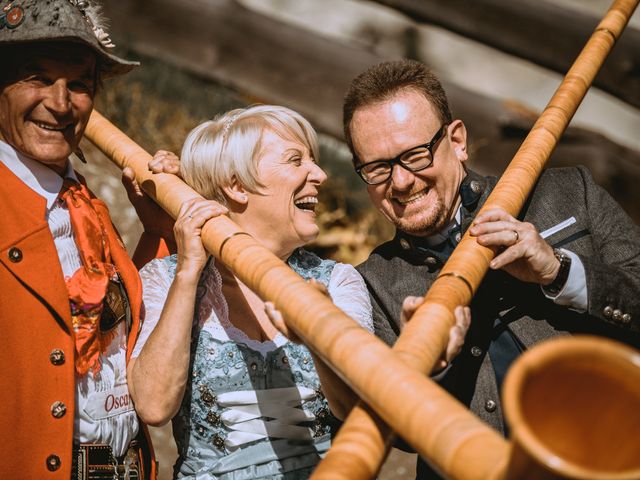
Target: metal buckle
{"points": [[96, 462]]}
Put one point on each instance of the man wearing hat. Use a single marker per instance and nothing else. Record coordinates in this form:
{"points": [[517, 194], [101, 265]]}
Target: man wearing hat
{"points": [[70, 296]]}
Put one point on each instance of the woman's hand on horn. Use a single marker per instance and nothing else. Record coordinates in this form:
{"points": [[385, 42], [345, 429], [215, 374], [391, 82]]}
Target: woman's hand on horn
{"points": [[154, 219], [188, 228], [457, 333], [276, 319], [520, 250]]}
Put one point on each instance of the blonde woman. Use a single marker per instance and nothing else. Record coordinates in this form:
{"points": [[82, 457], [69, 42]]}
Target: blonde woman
{"points": [[245, 401]]}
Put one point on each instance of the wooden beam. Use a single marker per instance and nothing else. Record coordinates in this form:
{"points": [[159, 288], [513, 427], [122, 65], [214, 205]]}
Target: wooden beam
{"points": [[267, 60], [537, 30], [273, 62]]}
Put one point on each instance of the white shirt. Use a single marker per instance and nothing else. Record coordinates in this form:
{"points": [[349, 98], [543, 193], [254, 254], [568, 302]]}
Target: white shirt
{"points": [[97, 418]]}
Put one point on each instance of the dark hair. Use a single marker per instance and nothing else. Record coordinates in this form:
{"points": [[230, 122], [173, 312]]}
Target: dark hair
{"points": [[384, 80]]}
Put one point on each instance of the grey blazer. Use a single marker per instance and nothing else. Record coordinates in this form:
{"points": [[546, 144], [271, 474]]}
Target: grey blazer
{"points": [[603, 236]]}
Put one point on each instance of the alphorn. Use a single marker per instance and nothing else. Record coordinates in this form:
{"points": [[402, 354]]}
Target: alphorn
{"points": [[366, 363], [466, 448], [363, 441], [572, 406]]}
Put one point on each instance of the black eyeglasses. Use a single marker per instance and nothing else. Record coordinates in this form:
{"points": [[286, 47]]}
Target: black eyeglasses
{"points": [[415, 159]]}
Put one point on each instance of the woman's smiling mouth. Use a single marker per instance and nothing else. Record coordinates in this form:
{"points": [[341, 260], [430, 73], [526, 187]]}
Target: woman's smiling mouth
{"points": [[306, 203]]}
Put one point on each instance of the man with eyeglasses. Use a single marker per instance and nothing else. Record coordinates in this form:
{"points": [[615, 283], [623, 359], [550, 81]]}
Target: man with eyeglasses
{"points": [[569, 263]]}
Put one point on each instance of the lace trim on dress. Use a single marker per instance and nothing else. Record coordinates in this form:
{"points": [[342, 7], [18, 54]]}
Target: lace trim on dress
{"points": [[213, 315], [345, 285]]}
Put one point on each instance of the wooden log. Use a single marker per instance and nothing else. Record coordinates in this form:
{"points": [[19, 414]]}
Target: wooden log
{"points": [[537, 30], [274, 62], [267, 60]]}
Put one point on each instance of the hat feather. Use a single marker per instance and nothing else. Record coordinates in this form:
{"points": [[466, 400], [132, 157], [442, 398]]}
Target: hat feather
{"points": [[92, 11]]}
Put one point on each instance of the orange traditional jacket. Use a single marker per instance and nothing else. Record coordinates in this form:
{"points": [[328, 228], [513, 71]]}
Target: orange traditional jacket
{"points": [[35, 322]]}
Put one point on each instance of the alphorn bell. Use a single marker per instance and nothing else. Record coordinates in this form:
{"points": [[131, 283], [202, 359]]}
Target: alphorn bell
{"points": [[573, 410], [363, 441], [459, 443]]}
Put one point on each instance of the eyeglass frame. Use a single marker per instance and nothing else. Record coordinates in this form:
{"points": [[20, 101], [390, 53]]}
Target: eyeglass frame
{"points": [[397, 159]]}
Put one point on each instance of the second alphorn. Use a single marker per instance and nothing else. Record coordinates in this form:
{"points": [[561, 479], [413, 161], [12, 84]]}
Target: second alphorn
{"points": [[363, 441], [572, 406]]}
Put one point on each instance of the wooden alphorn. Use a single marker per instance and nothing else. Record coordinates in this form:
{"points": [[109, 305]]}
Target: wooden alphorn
{"points": [[465, 447], [362, 360], [363, 442]]}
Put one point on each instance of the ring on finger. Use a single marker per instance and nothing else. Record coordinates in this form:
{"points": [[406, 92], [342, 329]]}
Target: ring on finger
{"points": [[190, 216], [517, 236]]}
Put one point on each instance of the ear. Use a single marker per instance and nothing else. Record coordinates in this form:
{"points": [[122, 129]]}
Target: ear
{"points": [[458, 139], [236, 192]]}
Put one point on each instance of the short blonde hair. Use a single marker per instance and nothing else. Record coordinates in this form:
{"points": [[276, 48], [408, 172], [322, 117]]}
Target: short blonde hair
{"points": [[218, 150]]}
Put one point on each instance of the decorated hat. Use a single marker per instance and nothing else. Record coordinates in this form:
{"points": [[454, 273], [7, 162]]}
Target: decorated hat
{"points": [[78, 21]]}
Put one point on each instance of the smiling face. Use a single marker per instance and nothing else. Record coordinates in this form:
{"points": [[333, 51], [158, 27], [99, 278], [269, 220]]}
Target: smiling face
{"points": [[420, 203], [282, 212], [46, 104]]}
